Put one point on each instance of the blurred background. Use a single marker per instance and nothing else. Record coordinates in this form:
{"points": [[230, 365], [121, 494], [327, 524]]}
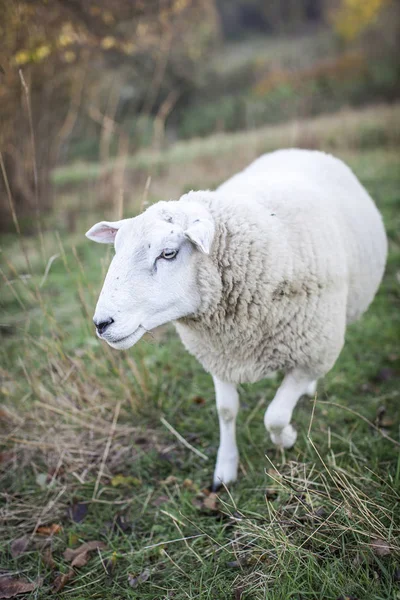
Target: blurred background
{"points": [[97, 97]]}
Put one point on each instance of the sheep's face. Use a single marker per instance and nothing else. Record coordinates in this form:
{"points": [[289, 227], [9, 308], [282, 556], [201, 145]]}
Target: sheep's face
{"points": [[152, 278]]}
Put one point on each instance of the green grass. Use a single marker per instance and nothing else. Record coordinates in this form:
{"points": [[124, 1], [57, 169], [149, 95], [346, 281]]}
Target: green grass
{"points": [[298, 524]]}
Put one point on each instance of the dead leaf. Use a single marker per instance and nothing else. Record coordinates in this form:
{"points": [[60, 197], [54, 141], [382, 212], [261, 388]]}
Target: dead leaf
{"points": [[387, 422], [78, 511], [62, 579], [211, 502], [78, 557], [12, 587], [270, 494], [47, 558], [199, 400], [6, 457], [71, 553], [80, 560], [380, 547], [134, 581], [127, 480], [19, 546], [47, 530], [238, 593], [189, 485], [385, 374], [198, 502]]}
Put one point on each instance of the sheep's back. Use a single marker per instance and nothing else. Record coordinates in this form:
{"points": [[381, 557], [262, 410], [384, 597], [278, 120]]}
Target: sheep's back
{"points": [[321, 199]]}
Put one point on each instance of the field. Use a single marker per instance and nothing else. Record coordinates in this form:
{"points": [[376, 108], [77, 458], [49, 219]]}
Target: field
{"points": [[88, 444]]}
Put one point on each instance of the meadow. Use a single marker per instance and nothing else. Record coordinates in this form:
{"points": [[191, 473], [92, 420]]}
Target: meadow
{"points": [[91, 446]]}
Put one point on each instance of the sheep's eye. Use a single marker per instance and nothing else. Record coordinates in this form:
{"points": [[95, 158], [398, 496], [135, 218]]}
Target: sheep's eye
{"points": [[168, 254]]}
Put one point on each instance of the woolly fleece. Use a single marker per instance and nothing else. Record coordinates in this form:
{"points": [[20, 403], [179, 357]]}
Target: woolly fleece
{"points": [[298, 253]]}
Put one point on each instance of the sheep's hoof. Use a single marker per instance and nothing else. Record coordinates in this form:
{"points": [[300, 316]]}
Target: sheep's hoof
{"points": [[225, 472], [215, 486], [285, 438]]}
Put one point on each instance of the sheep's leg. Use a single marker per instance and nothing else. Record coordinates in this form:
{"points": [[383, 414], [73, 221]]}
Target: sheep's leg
{"points": [[279, 413], [312, 388], [228, 457]]}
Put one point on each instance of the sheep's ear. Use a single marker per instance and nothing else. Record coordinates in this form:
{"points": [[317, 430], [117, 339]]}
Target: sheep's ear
{"points": [[104, 232], [201, 233]]}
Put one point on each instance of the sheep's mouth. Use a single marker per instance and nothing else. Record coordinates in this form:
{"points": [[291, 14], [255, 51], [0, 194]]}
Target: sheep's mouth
{"points": [[128, 340]]}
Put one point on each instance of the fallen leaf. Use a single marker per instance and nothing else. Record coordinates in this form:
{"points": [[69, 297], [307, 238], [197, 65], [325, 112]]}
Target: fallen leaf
{"points": [[47, 558], [197, 502], [126, 480], [80, 560], [271, 494], [199, 400], [238, 593], [4, 414], [6, 457], [170, 480], [62, 579], [19, 546], [52, 529], [380, 547], [121, 523], [387, 422], [12, 587], [235, 564], [189, 485], [71, 553], [385, 374], [211, 502], [134, 581], [78, 511], [78, 557]]}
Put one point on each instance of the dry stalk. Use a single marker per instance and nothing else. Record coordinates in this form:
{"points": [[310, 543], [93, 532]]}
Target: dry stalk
{"points": [[106, 449]]}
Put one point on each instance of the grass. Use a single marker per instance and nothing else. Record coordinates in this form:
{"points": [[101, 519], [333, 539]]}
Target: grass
{"points": [[82, 445]]}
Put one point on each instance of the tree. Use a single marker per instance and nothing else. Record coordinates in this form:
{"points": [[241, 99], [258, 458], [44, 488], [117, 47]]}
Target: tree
{"points": [[53, 56]]}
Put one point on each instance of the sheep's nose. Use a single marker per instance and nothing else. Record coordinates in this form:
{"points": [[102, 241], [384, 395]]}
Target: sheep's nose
{"points": [[101, 326]]}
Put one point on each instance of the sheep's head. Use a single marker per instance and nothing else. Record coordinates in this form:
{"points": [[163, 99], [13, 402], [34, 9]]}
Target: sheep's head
{"points": [[152, 278]]}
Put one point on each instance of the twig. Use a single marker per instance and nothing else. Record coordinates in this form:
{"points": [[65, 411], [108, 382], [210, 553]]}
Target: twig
{"points": [[182, 439], [106, 449]]}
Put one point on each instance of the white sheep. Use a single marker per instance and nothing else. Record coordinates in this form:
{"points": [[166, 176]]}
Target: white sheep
{"points": [[262, 274]]}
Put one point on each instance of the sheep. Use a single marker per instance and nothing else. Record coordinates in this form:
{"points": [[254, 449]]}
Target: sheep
{"points": [[261, 275]]}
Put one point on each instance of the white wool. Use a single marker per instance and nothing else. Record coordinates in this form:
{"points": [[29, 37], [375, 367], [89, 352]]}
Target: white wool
{"points": [[300, 248], [262, 274]]}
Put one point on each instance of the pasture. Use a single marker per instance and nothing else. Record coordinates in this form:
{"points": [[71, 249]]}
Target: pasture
{"points": [[89, 450]]}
